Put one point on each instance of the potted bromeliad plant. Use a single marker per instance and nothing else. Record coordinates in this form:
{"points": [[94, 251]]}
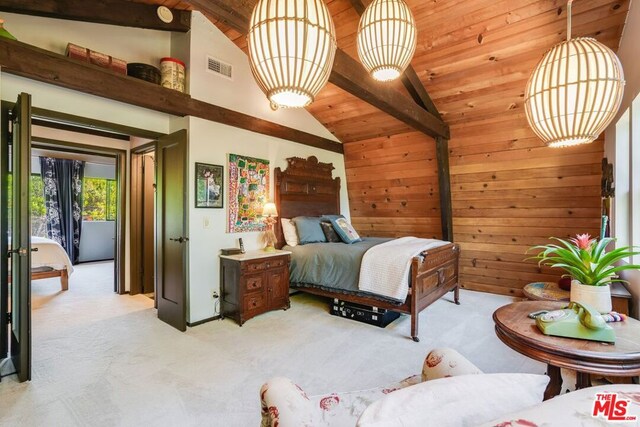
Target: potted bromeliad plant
{"points": [[588, 263]]}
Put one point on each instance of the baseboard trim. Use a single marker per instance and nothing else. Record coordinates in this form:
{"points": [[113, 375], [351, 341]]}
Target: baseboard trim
{"points": [[200, 322]]}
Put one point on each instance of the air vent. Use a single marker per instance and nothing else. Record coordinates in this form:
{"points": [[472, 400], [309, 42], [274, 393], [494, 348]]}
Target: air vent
{"points": [[220, 68]]}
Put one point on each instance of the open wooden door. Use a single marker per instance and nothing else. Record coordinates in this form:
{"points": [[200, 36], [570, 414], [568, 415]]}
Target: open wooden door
{"points": [[20, 231], [172, 240]]}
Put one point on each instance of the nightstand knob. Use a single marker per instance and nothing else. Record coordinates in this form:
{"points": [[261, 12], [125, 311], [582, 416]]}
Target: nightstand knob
{"points": [[267, 265]]}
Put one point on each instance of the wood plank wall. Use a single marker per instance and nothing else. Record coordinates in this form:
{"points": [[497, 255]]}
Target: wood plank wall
{"points": [[510, 192], [393, 186]]}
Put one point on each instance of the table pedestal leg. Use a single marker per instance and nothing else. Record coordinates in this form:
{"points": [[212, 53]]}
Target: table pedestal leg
{"points": [[583, 380], [555, 383]]}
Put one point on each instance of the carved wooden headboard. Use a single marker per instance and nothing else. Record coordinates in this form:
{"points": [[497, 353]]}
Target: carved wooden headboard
{"points": [[305, 188]]}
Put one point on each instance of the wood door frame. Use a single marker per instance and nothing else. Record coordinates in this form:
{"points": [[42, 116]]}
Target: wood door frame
{"points": [[120, 157], [88, 125], [136, 219], [4, 225]]}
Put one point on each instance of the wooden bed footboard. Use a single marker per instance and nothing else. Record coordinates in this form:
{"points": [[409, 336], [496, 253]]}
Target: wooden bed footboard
{"points": [[433, 274]]}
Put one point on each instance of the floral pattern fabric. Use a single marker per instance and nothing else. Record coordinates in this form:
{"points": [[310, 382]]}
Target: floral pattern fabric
{"points": [[285, 404], [62, 182]]}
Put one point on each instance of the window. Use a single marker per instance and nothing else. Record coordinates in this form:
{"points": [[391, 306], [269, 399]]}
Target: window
{"points": [[99, 199], [627, 178], [38, 210]]}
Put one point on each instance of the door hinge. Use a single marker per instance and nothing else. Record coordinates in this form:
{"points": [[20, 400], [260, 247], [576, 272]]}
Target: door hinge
{"points": [[8, 317]]}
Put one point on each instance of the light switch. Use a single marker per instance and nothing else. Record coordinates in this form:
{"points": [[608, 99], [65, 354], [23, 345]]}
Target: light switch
{"points": [[205, 222]]}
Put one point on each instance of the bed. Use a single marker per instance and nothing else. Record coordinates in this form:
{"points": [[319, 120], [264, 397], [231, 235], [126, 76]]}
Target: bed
{"points": [[49, 259], [307, 188]]}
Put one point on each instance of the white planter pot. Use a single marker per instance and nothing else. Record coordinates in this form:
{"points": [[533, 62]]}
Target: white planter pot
{"points": [[598, 297]]}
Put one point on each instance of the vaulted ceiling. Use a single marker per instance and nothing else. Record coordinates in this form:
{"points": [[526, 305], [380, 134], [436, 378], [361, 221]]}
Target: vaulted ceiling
{"points": [[473, 57]]}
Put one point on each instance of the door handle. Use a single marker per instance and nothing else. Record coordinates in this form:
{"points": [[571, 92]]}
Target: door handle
{"points": [[179, 239], [20, 251]]}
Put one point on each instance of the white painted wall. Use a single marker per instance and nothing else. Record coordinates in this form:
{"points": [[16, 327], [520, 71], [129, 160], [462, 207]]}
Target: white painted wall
{"points": [[211, 143], [242, 93]]}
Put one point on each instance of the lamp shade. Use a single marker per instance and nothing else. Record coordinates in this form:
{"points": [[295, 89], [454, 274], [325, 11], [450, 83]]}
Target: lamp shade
{"points": [[574, 92], [292, 45], [386, 38], [269, 209]]}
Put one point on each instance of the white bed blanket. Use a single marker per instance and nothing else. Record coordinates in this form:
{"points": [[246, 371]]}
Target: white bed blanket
{"points": [[385, 267], [49, 254]]}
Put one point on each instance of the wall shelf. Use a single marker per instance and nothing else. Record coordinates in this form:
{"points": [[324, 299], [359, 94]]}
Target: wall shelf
{"points": [[38, 64]]}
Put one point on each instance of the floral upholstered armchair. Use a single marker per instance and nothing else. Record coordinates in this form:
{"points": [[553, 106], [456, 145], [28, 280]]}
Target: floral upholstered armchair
{"points": [[449, 392], [285, 404]]}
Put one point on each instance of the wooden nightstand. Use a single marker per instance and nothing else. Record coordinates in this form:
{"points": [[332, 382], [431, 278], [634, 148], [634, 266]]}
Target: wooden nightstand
{"points": [[254, 283]]}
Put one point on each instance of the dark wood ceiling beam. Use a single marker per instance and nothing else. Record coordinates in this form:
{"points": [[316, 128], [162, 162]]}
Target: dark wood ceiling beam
{"points": [[417, 91], [347, 73], [410, 79], [113, 12], [38, 64]]}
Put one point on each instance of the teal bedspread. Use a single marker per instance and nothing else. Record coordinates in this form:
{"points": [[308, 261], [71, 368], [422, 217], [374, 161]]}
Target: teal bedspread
{"points": [[330, 266]]}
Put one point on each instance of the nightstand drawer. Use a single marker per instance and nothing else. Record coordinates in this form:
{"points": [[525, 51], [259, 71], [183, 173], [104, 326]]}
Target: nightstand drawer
{"points": [[255, 302], [254, 266], [252, 283], [277, 262]]}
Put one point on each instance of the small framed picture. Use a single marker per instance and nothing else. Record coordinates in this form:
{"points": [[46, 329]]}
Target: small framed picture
{"points": [[209, 185]]}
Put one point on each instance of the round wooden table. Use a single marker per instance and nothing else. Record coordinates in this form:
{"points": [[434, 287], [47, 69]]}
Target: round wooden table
{"points": [[519, 332]]}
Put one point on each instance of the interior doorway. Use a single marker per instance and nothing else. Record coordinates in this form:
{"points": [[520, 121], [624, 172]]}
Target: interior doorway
{"points": [[169, 245], [102, 204], [143, 221]]}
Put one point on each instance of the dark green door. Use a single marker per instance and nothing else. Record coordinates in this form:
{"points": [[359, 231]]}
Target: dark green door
{"points": [[20, 236], [171, 231]]}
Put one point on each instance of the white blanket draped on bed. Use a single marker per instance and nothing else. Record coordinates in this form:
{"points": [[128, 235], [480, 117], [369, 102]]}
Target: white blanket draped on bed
{"points": [[385, 267], [49, 254]]}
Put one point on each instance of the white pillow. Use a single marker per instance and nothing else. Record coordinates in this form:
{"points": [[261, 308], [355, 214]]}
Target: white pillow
{"points": [[290, 232], [466, 400]]}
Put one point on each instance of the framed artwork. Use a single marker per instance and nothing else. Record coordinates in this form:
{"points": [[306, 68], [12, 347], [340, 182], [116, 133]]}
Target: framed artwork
{"points": [[248, 192], [209, 185]]}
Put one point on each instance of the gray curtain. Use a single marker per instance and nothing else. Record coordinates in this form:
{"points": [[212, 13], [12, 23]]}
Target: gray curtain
{"points": [[62, 181]]}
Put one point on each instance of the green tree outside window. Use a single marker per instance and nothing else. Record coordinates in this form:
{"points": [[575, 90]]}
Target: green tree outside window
{"points": [[99, 199]]}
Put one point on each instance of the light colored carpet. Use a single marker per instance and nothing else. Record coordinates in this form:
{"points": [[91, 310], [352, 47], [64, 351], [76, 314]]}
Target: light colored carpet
{"points": [[104, 360]]}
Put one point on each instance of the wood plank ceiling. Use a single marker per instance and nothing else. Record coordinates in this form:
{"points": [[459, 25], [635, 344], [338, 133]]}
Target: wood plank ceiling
{"points": [[509, 191]]}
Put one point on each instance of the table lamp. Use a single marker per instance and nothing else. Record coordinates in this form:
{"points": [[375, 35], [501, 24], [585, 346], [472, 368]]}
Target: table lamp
{"points": [[269, 212]]}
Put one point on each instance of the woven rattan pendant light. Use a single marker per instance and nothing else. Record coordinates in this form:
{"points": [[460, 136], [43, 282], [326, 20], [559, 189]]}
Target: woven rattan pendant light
{"points": [[292, 44], [386, 38], [574, 92]]}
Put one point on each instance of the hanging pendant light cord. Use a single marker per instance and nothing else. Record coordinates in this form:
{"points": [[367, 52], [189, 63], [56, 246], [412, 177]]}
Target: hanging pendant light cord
{"points": [[569, 19]]}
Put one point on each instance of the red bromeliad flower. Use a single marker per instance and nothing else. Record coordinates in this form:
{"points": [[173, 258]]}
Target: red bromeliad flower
{"points": [[583, 241]]}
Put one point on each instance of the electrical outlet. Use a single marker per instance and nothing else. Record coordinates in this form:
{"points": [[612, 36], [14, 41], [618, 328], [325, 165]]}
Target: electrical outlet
{"points": [[206, 223], [215, 295]]}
